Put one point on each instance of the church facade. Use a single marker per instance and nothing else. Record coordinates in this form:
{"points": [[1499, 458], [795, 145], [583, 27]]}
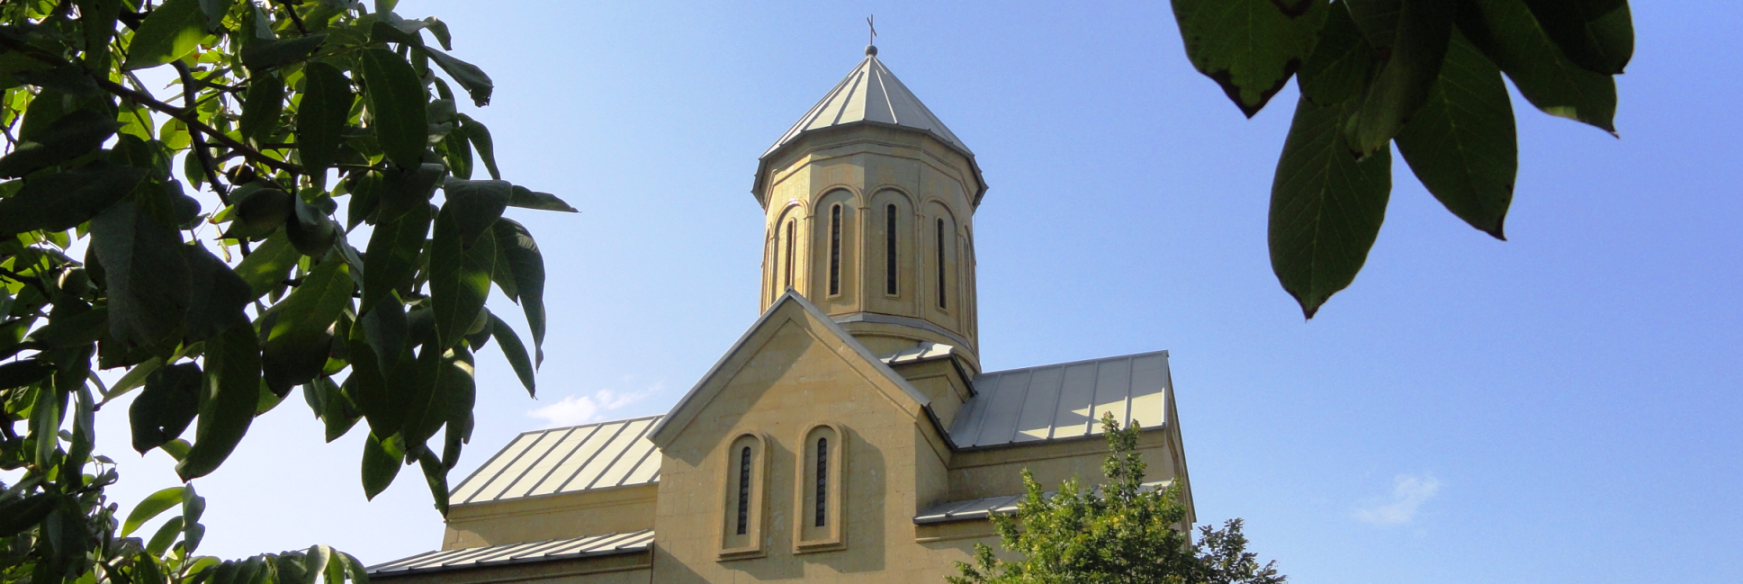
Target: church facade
{"points": [[850, 435]]}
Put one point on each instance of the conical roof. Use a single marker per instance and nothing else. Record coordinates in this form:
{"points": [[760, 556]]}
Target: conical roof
{"points": [[871, 94]]}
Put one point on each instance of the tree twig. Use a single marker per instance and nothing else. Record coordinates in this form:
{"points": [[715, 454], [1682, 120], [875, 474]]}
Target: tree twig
{"points": [[193, 121], [295, 18], [201, 152]]}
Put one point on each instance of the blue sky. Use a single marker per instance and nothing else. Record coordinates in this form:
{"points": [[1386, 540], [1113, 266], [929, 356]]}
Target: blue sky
{"points": [[1561, 407]]}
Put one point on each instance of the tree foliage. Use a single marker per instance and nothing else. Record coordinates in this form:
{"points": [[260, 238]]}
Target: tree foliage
{"points": [[1425, 75], [1123, 532], [113, 256]]}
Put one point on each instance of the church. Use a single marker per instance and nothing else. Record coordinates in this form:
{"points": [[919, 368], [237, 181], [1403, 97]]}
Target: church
{"points": [[850, 435]]}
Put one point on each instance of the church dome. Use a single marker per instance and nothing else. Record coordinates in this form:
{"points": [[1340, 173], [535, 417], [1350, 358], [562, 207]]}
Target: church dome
{"points": [[871, 95]]}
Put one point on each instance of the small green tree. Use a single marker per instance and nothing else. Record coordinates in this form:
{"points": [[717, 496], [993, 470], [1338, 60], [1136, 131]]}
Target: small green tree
{"points": [[1120, 532]]}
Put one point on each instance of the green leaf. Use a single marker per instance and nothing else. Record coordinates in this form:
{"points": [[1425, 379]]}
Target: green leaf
{"points": [[149, 278], [436, 476], [380, 464], [480, 137], [368, 384], [215, 10], [321, 115], [74, 330], [269, 265], [61, 201], [263, 54], [165, 536], [528, 199], [73, 135], [469, 76], [152, 506], [1461, 144], [232, 389], [17, 515], [311, 231], [169, 403], [45, 423], [1340, 65], [1401, 86], [397, 106], [24, 372], [1249, 47], [515, 352], [440, 29], [262, 106], [219, 296], [444, 392], [1326, 206], [134, 378], [172, 31], [392, 254], [1597, 35], [520, 271], [460, 275], [475, 204], [337, 413], [1506, 31], [298, 342], [365, 199], [406, 189]]}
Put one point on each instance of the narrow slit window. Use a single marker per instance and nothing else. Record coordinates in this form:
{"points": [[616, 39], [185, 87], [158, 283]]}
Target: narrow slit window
{"points": [[743, 490], [890, 250], [941, 282], [835, 250], [789, 265], [822, 481]]}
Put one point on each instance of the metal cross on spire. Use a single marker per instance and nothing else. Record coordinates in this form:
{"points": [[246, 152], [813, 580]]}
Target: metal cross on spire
{"points": [[871, 40]]}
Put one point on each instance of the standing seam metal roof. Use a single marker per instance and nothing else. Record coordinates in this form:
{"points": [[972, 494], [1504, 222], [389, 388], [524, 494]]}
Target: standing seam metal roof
{"points": [[871, 94], [556, 549], [1064, 400], [566, 460]]}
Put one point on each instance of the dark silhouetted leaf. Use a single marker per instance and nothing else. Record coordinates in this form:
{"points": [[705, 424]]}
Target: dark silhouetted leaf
{"points": [[1507, 32], [169, 403], [172, 31], [298, 342], [232, 389], [310, 230], [152, 506], [475, 204], [529, 199], [262, 106], [1461, 143], [62, 201], [398, 106], [1249, 47], [380, 464], [469, 76], [1597, 35], [460, 272], [322, 114], [18, 515], [436, 476], [24, 372], [148, 275], [520, 271], [269, 265], [515, 352], [73, 135], [1340, 65], [392, 255], [1401, 85], [219, 296], [1326, 206], [262, 54], [480, 138]]}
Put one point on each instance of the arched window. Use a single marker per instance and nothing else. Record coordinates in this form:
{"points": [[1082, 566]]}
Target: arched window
{"points": [[742, 515], [890, 250], [822, 507], [835, 249], [744, 490], [942, 284], [788, 269], [820, 517]]}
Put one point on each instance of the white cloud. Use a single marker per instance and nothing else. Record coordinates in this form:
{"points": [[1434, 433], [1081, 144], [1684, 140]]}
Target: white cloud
{"points": [[1408, 494], [572, 410]]}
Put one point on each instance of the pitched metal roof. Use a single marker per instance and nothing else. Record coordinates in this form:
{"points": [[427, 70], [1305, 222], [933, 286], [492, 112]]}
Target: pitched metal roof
{"points": [[1062, 401], [566, 460], [871, 94], [520, 553], [981, 508]]}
